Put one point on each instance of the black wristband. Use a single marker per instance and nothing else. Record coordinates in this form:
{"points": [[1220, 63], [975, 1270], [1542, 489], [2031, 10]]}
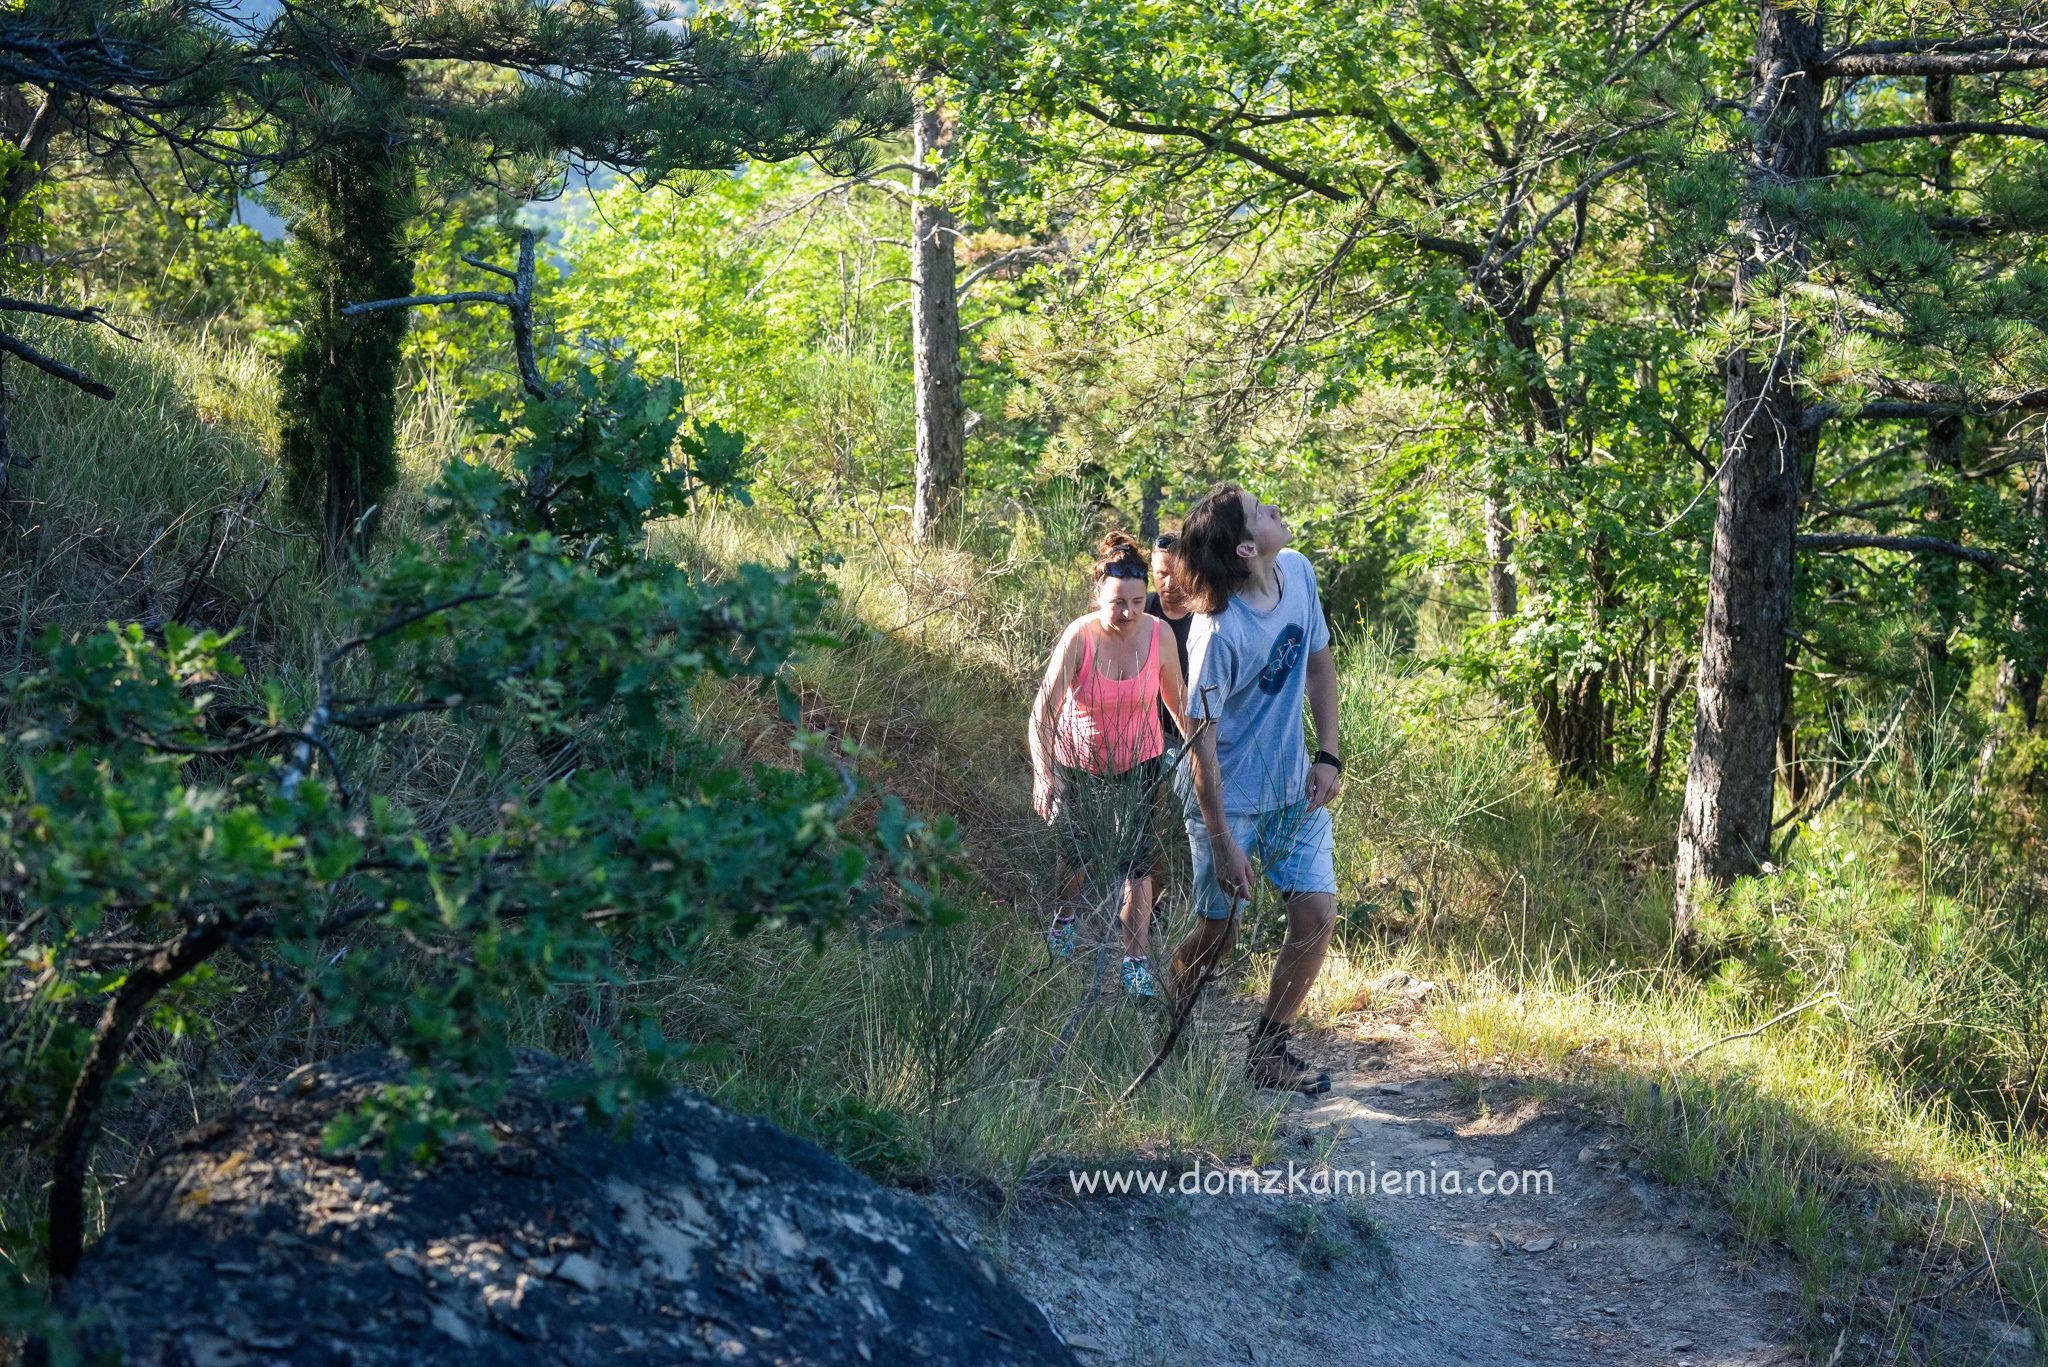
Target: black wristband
{"points": [[1325, 757]]}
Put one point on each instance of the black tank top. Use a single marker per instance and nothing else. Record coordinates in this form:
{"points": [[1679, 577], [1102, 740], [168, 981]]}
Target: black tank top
{"points": [[1179, 628]]}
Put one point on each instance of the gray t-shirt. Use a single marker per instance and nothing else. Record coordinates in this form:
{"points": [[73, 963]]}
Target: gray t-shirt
{"points": [[1255, 666]]}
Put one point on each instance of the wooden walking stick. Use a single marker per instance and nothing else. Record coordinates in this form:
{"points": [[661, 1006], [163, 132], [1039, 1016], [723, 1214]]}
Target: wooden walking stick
{"points": [[1184, 1009]]}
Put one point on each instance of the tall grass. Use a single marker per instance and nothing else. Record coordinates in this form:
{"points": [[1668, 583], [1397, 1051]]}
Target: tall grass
{"points": [[127, 501], [1883, 1135], [1887, 1134]]}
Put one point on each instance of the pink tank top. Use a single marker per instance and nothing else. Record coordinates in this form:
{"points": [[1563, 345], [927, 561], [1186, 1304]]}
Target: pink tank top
{"points": [[1107, 726]]}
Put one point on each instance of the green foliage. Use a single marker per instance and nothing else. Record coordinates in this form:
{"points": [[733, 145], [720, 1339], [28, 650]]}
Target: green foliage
{"points": [[160, 248], [777, 318], [156, 817], [599, 459]]}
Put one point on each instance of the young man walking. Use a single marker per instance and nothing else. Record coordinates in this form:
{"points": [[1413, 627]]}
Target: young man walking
{"points": [[1259, 645]]}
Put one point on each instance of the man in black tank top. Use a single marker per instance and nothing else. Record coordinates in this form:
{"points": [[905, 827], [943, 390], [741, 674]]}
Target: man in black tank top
{"points": [[1165, 603]]}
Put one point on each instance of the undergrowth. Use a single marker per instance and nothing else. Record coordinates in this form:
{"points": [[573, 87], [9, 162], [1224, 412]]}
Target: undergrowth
{"points": [[1881, 1124]]}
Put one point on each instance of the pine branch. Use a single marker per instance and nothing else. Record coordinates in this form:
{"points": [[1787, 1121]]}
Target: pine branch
{"points": [[1856, 137], [1910, 400]]}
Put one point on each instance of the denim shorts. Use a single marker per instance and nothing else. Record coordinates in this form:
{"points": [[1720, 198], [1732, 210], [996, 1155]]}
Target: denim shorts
{"points": [[1296, 847]]}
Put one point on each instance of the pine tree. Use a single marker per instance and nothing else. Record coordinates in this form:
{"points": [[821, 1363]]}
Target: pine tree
{"points": [[1884, 287], [386, 100]]}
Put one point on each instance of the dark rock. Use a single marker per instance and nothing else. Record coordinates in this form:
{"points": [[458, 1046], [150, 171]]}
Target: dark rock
{"points": [[701, 1236]]}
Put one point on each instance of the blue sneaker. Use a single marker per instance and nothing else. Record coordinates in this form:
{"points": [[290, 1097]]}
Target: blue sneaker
{"points": [[1138, 979], [1059, 940]]}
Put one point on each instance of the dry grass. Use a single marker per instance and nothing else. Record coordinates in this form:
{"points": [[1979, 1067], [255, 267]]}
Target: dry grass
{"points": [[1876, 1135]]}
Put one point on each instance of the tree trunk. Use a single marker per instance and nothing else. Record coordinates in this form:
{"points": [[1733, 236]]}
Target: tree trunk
{"points": [[934, 334], [1789, 765], [1724, 832], [1500, 544], [1941, 108], [338, 381], [30, 131], [2019, 680], [1148, 511], [1571, 717], [1660, 717]]}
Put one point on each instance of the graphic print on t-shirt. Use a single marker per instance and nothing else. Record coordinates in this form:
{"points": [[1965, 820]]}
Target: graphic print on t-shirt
{"points": [[1286, 654]]}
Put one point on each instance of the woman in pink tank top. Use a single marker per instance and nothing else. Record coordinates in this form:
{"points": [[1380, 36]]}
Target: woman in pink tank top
{"points": [[1096, 746]]}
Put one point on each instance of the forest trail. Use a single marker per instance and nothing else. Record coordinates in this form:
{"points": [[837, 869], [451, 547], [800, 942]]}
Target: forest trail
{"points": [[1609, 1267]]}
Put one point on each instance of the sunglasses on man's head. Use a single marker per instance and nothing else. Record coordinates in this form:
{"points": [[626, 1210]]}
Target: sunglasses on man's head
{"points": [[1125, 571]]}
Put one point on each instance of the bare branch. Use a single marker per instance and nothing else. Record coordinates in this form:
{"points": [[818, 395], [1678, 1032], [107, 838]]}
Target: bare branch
{"points": [[421, 300], [996, 263], [50, 365], [84, 315], [72, 1148], [1935, 64], [1577, 195], [1654, 41], [1911, 545], [1217, 142], [519, 304]]}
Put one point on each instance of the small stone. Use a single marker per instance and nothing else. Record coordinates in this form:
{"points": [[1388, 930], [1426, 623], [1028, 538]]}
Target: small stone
{"points": [[1390, 1089], [453, 1325], [211, 1350], [1542, 1245], [1682, 1346], [1081, 1343], [1585, 1155], [578, 1270]]}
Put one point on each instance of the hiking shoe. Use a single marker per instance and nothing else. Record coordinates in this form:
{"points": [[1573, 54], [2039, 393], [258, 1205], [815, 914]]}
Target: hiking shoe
{"points": [[1138, 979], [1272, 1064], [1059, 939]]}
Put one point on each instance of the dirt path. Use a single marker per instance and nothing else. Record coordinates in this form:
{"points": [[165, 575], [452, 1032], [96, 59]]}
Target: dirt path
{"points": [[1607, 1267]]}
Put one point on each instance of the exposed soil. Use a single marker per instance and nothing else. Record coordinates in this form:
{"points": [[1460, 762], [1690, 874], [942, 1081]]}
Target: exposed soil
{"points": [[1608, 1266]]}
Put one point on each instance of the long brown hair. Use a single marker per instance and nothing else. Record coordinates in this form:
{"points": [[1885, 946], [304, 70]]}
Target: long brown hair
{"points": [[1119, 557], [1209, 538]]}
